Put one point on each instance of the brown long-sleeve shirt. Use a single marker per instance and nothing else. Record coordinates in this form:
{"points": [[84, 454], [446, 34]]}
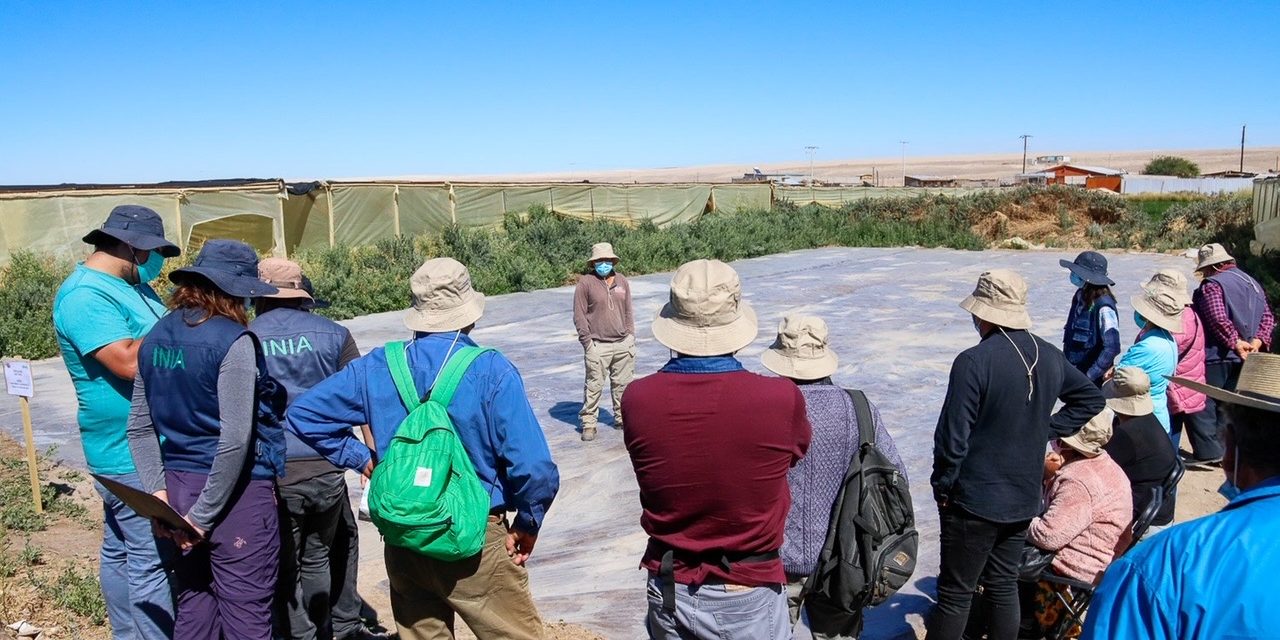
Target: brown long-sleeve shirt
{"points": [[601, 312]]}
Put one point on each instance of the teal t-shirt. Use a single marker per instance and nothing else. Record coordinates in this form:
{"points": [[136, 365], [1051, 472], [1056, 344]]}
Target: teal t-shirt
{"points": [[91, 310]]}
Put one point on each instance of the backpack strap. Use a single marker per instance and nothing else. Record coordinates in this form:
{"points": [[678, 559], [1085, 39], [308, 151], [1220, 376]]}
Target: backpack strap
{"points": [[866, 421], [398, 363], [453, 371]]}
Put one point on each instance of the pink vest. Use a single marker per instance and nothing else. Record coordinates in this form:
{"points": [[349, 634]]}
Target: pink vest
{"points": [[1190, 365]]}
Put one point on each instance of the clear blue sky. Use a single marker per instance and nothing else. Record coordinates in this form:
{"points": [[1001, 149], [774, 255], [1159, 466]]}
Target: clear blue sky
{"points": [[117, 91]]}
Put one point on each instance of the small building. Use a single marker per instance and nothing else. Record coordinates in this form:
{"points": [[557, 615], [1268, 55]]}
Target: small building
{"points": [[1078, 174], [1173, 184], [1230, 173], [756, 176], [1035, 178], [929, 181], [1051, 160]]}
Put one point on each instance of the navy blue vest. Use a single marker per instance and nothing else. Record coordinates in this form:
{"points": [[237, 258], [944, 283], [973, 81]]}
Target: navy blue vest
{"points": [[300, 350], [1082, 340], [1246, 302], [179, 364]]}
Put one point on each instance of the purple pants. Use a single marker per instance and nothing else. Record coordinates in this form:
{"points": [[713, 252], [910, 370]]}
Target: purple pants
{"points": [[224, 585]]}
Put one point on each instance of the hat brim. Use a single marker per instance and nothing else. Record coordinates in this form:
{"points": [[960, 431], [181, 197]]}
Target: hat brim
{"points": [[1230, 397], [800, 368], [290, 294], [595, 259], [1210, 261], [139, 241], [316, 303], [996, 316], [437, 320], [232, 285], [1132, 405], [706, 341], [1088, 275], [1172, 324], [1078, 445]]}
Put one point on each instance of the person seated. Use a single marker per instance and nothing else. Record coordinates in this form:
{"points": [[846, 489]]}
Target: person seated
{"points": [[1088, 510], [1139, 444]]}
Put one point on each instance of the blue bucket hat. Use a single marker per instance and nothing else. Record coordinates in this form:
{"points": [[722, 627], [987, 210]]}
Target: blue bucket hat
{"points": [[1091, 266], [136, 226], [230, 266]]}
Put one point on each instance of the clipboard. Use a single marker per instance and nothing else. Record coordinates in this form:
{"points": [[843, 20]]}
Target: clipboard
{"points": [[146, 505]]}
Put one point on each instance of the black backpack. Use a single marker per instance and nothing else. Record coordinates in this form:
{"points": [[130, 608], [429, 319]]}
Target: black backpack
{"points": [[871, 545]]}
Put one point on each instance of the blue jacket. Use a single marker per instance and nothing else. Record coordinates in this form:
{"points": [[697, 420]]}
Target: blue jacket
{"points": [[1156, 353], [490, 411], [1087, 342], [1209, 578]]}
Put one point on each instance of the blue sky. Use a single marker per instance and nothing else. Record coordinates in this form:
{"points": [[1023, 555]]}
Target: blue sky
{"points": [[117, 91]]}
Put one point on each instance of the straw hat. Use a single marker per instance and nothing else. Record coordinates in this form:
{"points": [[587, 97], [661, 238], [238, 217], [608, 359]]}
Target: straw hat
{"points": [[1000, 298], [1161, 308], [1211, 254], [1173, 281], [230, 266], [705, 315], [602, 251], [443, 299], [284, 275], [800, 350], [1128, 392], [1258, 387], [1094, 435], [1091, 266]]}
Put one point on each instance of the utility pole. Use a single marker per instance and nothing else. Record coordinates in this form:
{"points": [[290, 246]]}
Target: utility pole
{"points": [[1024, 151], [810, 151], [904, 144], [1242, 148]]}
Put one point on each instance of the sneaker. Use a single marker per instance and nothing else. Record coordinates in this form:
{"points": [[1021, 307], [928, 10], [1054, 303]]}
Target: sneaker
{"points": [[1209, 463], [588, 434]]}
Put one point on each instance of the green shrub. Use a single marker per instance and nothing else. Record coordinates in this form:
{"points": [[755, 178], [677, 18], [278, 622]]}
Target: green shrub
{"points": [[27, 285], [1172, 166]]}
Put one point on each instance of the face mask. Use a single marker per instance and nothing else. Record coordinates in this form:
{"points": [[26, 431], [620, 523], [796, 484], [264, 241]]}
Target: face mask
{"points": [[1077, 281], [150, 270], [977, 325], [603, 269], [1229, 489], [1139, 320]]}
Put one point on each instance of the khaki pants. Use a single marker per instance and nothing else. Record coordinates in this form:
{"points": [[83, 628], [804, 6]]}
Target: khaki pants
{"points": [[614, 361], [489, 591]]}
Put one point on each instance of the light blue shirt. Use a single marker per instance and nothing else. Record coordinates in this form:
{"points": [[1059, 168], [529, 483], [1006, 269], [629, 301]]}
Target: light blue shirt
{"points": [[1156, 353], [1215, 577]]}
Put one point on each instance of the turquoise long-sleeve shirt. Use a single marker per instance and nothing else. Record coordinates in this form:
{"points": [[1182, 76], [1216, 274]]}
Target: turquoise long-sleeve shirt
{"points": [[1214, 577], [1156, 353]]}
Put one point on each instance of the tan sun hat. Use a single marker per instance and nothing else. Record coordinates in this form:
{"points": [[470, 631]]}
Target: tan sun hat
{"points": [[1173, 281], [1128, 392], [1161, 308], [1001, 299], [1211, 254], [285, 276], [705, 315], [1258, 388], [443, 298], [800, 350], [602, 251], [1094, 435]]}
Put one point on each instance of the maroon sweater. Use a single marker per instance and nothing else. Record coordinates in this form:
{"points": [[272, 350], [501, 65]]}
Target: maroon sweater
{"points": [[711, 453]]}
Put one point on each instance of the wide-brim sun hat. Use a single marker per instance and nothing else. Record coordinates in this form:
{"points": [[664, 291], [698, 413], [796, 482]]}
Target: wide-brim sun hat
{"points": [[137, 226], [230, 266], [1128, 392], [1211, 254], [1000, 298], [602, 251], [1160, 308], [1257, 388], [1091, 266], [705, 315], [286, 277], [1093, 436], [801, 351], [1172, 281], [443, 298]]}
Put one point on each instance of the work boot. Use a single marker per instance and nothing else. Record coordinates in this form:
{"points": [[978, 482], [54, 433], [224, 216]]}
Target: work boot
{"points": [[588, 433]]}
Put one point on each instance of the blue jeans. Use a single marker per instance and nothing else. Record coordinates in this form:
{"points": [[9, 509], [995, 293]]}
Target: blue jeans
{"points": [[132, 570], [715, 611]]}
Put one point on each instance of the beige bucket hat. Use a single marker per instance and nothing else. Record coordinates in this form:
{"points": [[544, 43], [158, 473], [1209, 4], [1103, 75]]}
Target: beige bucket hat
{"points": [[1173, 281], [1094, 435], [1000, 298], [602, 251], [1211, 254], [705, 315], [800, 350], [443, 298], [1161, 308], [1128, 392], [285, 276], [1258, 388]]}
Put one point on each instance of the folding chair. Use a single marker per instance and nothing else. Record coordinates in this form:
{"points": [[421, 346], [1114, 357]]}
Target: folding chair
{"points": [[1081, 593]]}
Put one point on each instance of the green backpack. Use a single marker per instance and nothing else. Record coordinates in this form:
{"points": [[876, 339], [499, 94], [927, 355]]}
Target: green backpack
{"points": [[424, 494]]}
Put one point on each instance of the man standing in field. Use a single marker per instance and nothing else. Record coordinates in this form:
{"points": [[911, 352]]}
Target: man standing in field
{"points": [[101, 314], [607, 331], [988, 453]]}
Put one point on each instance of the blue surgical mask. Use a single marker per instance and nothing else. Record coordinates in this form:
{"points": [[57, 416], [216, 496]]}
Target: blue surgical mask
{"points": [[150, 270], [1139, 320], [1229, 490], [1077, 281], [603, 269]]}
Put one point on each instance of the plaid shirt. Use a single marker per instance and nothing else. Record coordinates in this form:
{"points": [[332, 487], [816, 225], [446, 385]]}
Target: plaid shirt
{"points": [[1213, 309]]}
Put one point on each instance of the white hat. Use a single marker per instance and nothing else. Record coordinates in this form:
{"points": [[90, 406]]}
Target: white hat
{"points": [[1001, 299], [443, 299], [705, 315], [1128, 392], [1161, 308], [1173, 281], [602, 251], [1211, 254], [1094, 435], [800, 350]]}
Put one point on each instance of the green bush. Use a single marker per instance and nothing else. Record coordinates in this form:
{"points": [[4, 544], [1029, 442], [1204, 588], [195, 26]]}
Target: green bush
{"points": [[27, 286], [1172, 166]]}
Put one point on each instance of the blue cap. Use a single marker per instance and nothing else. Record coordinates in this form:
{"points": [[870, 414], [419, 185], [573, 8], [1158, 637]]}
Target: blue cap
{"points": [[229, 265], [136, 226]]}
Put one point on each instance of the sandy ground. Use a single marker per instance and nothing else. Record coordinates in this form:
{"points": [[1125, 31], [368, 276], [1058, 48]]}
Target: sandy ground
{"points": [[895, 324], [890, 168]]}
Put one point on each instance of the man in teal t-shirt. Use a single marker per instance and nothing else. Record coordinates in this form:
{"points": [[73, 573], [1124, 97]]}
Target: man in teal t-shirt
{"points": [[101, 314]]}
